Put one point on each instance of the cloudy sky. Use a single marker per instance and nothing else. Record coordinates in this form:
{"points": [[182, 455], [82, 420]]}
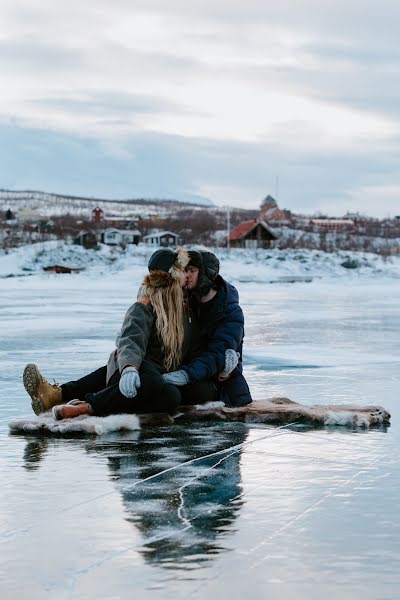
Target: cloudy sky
{"points": [[225, 99]]}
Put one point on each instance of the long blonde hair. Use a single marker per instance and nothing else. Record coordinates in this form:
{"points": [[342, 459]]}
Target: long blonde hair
{"points": [[167, 302]]}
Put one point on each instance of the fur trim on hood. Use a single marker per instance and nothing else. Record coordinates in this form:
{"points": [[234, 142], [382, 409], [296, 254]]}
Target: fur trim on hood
{"points": [[158, 279], [181, 262], [182, 259]]}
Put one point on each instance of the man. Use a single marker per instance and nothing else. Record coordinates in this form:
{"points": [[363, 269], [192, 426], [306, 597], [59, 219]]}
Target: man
{"points": [[216, 303]]}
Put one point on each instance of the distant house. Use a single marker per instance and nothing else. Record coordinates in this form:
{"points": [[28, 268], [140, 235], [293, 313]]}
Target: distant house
{"points": [[97, 215], [9, 215], [272, 214], [87, 239], [252, 234], [61, 269], [332, 224], [165, 239], [27, 215], [112, 236]]}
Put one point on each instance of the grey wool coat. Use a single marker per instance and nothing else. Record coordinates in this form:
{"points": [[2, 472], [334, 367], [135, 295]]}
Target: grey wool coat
{"points": [[139, 340]]}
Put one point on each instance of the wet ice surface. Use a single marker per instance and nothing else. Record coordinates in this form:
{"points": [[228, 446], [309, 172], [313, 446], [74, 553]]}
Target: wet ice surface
{"points": [[206, 510]]}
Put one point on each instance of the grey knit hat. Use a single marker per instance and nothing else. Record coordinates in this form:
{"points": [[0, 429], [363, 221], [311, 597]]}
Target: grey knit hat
{"points": [[162, 260]]}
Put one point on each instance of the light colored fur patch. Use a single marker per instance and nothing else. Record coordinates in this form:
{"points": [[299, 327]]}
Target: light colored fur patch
{"points": [[85, 424], [208, 405], [348, 419], [183, 257]]}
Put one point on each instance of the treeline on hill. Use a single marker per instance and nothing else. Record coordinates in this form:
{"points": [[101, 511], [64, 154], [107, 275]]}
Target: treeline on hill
{"points": [[208, 227], [193, 226]]}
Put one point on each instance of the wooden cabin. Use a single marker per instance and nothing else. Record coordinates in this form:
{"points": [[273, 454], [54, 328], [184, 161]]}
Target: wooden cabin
{"points": [[252, 234]]}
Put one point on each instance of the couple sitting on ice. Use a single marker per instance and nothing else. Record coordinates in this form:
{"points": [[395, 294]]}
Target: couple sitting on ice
{"points": [[180, 343]]}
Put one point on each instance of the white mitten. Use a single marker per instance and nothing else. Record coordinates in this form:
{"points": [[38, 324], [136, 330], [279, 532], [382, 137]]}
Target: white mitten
{"points": [[176, 377], [231, 361], [129, 382]]}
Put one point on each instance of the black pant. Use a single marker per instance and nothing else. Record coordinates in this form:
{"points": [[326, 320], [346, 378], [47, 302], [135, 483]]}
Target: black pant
{"points": [[154, 395], [198, 392]]}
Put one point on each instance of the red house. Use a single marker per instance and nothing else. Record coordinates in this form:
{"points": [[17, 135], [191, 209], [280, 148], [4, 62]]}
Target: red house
{"points": [[97, 215], [271, 213], [252, 234]]}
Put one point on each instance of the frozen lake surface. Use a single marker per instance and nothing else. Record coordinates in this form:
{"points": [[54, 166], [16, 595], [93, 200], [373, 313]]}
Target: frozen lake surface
{"points": [[207, 510]]}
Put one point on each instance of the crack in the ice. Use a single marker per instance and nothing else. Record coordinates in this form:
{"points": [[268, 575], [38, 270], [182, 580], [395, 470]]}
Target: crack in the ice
{"points": [[293, 520], [307, 510], [276, 432], [187, 522]]}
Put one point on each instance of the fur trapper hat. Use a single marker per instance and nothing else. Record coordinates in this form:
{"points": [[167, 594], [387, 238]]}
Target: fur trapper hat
{"points": [[208, 265]]}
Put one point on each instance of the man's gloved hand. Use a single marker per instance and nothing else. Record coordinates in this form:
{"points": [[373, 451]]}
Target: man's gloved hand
{"points": [[231, 361], [176, 377], [129, 382]]}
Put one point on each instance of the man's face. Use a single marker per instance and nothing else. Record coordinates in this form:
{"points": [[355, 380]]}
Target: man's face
{"points": [[183, 279], [192, 274]]}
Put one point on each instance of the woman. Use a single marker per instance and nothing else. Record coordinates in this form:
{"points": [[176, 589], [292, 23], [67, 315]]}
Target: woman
{"points": [[157, 335]]}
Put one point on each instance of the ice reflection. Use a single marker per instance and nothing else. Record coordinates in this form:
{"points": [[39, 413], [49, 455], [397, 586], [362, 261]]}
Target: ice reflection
{"points": [[34, 453], [181, 492], [183, 513]]}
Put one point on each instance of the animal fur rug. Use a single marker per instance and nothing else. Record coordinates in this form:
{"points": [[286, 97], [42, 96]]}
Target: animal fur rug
{"points": [[279, 411], [273, 411]]}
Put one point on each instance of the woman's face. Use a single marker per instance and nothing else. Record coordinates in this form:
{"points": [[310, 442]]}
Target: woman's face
{"points": [[183, 279]]}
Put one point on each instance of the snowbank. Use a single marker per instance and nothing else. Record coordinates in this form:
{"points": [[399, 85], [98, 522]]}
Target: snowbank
{"points": [[261, 266], [32, 259], [276, 265]]}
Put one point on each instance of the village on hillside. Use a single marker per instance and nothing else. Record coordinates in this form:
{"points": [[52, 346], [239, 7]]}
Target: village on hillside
{"points": [[29, 217]]}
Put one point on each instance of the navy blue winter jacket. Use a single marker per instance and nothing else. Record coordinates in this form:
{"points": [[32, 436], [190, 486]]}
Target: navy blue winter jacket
{"points": [[222, 328]]}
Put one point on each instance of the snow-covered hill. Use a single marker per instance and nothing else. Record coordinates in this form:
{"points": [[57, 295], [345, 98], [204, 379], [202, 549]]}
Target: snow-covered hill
{"points": [[46, 204]]}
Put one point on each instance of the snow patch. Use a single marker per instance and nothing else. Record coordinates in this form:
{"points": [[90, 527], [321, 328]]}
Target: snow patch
{"points": [[45, 423]]}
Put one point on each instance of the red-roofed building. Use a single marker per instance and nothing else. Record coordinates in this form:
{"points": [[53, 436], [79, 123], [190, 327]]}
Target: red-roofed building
{"points": [[271, 213], [97, 214], [332, 223], [252, 234]]}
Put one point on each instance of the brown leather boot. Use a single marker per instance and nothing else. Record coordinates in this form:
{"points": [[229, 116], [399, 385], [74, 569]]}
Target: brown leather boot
{"points": [[44, 395], [75, 408]]}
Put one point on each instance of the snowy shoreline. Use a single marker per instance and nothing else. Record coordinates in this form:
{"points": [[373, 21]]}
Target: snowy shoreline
{"points": [[258, 266]]}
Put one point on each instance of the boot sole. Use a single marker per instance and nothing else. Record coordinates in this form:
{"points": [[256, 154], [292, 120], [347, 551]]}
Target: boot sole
{"points": [[31, 379]]}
